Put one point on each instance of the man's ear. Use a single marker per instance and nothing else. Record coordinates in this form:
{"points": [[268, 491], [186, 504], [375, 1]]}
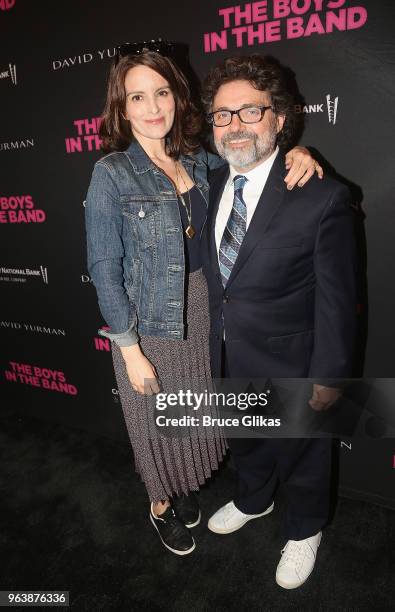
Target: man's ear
{"points": [[280, 120]]}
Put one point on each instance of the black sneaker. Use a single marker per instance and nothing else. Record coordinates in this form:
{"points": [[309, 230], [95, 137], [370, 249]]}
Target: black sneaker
{"points": [[173, 532], [187, 509]]}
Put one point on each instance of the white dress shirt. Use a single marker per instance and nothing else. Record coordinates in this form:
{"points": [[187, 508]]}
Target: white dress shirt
{"points": [[251, 193]]}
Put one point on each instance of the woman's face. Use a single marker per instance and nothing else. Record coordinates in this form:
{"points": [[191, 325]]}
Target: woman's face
{"points": [[150, 104]]}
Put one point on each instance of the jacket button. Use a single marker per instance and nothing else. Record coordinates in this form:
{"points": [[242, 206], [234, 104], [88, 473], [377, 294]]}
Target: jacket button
{"points": [[225, 299]]}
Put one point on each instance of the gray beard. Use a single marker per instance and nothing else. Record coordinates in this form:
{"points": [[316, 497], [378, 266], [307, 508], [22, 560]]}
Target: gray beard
{"points": [[259, 148]]}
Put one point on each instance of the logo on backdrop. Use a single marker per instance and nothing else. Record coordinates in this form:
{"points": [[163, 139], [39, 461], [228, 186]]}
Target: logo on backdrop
{"points": [[86, 138], [36, 376], [6, 5], [115, 395], [85, 279], [10, 73], [83, 58], [20, 209], [22, 275], [27, 143], [32, 327], [330, 106], [101, 343], [258, 23]]}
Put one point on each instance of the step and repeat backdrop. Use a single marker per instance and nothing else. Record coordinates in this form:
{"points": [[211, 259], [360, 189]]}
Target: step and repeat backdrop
{"points": [[54, 62]]}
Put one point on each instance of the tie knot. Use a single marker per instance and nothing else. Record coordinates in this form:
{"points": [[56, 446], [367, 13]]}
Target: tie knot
{"points": [[239, 181]]}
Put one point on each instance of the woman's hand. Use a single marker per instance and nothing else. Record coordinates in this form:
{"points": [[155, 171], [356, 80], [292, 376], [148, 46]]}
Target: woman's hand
{"points": [[301, 166], [141, 372]]}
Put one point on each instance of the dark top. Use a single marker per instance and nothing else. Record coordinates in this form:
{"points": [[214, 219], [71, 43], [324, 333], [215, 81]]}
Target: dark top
{"points": [[199, 211]]}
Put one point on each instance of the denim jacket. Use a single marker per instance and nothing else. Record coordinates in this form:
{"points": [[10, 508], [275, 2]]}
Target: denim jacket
{"points": [[136, 245]]}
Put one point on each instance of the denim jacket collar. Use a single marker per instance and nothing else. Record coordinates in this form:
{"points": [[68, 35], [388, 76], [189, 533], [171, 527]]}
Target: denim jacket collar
{"points": [[142, 163]]}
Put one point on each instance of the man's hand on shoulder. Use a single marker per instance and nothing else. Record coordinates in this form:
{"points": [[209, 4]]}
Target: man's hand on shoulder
{"points": [[324, 397]]}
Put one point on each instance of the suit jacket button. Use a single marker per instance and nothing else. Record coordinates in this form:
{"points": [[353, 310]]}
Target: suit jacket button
{"points": [[225, 299]]}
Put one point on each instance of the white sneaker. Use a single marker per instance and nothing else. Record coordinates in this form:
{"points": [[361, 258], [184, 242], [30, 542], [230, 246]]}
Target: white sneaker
{"points": [[228, 518], [297, 561]]}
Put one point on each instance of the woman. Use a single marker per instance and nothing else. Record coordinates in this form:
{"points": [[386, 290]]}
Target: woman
{"points": [[145, 211]]}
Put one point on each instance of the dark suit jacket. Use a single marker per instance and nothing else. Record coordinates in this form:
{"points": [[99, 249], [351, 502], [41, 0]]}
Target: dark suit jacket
{"points": [[289, 307]]}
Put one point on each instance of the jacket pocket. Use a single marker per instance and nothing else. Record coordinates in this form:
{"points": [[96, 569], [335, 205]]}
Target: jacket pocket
{"points": [[144, 216], [279, 344]]}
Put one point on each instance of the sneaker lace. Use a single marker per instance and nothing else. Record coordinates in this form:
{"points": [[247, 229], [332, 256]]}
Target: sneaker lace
{"points": [[294, 552], [175, 524]]}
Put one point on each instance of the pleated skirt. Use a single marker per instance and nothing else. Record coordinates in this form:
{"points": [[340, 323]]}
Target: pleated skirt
{"points": [[174, 460]]}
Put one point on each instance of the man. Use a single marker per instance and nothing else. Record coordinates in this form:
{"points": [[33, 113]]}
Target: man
{"points": [[280, 267]]}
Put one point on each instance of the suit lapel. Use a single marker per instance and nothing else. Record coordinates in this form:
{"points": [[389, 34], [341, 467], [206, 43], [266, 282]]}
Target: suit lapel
{"points": [[216, 190], [268, 204]]}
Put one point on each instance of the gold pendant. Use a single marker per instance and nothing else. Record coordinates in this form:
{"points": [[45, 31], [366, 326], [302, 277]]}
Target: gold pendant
{"points": [[190, 231]]}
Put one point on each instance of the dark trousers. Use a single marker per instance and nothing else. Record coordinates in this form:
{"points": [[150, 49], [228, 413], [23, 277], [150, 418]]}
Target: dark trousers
{"points": [[301, 466]]}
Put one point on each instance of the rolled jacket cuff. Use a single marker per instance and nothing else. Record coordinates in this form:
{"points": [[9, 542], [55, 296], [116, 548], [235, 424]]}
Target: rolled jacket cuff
{"points": [[127, 338]]}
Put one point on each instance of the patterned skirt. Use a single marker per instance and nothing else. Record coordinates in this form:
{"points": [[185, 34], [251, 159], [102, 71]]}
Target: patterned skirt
{"points": [[179, 459]]}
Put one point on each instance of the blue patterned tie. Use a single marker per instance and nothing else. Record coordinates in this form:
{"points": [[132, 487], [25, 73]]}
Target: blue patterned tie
{"points": [[235, 230]]}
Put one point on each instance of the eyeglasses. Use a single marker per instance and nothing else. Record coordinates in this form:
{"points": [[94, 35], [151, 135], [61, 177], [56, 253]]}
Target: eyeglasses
{"points": [[247, 114], [163, 47]]}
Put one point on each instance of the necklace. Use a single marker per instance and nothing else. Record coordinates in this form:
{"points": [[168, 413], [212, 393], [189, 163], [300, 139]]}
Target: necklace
{"points": [[190, 230]]}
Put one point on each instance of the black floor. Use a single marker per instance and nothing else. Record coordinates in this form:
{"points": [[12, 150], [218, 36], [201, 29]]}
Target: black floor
{"points": [[74, 517]]}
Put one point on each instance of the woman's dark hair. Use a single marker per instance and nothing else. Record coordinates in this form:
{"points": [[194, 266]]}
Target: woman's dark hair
{"points": [[265, 74], [115, 131]]}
